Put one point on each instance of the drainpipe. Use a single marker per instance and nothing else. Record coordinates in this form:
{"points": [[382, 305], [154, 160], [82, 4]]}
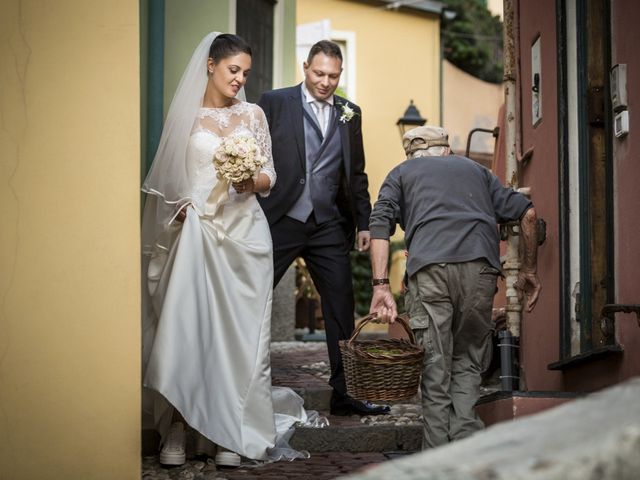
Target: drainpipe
{"points": [[512, 263]]}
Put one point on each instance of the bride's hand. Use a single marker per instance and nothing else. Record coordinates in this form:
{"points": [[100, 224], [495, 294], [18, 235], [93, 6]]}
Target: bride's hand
{"points": [[182, 214], [244, 186]]}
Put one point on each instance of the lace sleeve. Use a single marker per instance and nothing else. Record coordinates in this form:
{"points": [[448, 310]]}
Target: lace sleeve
{"points": [[260, 128]]}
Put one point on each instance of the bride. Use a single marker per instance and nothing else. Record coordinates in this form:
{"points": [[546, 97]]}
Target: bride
{"points": [[208, 269]]}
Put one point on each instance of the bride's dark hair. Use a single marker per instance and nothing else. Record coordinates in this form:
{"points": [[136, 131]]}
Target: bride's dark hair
{"points": [[227, 45]]}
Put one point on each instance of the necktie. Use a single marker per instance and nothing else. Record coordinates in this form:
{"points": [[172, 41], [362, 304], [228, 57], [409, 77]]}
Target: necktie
{"points": [[320, 115]]}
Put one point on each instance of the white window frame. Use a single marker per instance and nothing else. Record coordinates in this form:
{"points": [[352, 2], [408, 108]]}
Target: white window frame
{"points": [[278, 44], [349, 65]]}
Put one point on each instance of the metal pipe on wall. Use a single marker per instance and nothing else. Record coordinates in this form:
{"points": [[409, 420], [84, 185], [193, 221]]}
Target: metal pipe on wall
{"points": [[511, 266]]}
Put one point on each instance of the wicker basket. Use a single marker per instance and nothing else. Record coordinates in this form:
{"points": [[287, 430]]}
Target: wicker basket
{"points": [[386, 370]]}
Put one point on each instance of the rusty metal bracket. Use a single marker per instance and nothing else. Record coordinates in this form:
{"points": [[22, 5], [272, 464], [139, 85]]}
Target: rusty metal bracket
{"points": [[494, 132], [509, 229], [607, 320], [595, 99], [541, 231], [513, 228], [523, 158]]}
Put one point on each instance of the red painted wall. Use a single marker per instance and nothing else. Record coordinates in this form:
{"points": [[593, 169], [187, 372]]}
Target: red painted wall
{"points": [[515, 407], [540, 330], [625, 15]]}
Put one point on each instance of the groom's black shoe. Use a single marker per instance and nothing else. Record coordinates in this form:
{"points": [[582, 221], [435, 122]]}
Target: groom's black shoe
{"points": [[345, 405]]}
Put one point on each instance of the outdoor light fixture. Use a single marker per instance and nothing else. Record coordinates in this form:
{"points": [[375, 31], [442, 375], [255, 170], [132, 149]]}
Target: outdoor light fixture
{"points": [[449, 14], [410, 119]]}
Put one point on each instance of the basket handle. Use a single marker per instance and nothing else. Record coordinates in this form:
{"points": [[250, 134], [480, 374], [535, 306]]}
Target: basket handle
{"points": [[401, 318]]}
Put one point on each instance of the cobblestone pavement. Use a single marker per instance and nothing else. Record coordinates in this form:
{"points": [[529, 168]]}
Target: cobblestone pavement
{"points": [[299, 365], [321, 466]]}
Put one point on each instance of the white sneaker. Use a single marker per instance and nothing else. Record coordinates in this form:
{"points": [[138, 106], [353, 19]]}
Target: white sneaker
{"points": [[227, 458], [173, 450]]}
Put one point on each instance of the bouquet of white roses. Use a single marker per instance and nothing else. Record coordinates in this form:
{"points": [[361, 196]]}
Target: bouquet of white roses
{"points": [[238, 158]]}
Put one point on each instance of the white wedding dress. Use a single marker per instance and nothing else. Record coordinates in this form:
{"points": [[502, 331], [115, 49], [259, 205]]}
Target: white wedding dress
{"points": [[206, 340]]}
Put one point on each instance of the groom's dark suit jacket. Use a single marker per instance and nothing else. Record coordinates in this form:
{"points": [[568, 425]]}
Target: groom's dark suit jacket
{"points": [[283, 109]]}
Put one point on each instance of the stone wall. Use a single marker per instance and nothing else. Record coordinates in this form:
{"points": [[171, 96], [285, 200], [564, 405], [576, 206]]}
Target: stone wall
{"points": [[595, 437]]}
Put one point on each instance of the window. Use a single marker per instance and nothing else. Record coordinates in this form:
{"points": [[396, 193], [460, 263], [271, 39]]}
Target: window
{"points": [[586, 199], [347, 42]]}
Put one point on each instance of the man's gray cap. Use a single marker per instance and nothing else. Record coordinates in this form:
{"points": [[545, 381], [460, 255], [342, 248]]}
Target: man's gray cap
{"points": [[421, 138]]}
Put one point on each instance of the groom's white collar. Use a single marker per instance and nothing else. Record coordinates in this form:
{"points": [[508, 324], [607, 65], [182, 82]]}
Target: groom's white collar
{"points": [[309, 98]]}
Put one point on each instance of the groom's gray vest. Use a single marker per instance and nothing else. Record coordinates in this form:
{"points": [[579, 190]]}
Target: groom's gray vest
{"points": [[323, 165]]}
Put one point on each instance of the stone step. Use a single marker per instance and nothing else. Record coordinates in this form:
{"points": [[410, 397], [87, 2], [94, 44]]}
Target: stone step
{"points": [[358, 438], [316, 397], [399, 431]]}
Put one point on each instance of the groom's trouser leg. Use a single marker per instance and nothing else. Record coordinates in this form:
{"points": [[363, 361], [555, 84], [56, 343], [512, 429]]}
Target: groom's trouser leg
{"points": [[324, 248], [328, 260], [289, 238]]}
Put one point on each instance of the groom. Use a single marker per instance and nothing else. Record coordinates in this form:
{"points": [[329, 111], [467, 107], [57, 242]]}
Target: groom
{"points": [[320, 198]]}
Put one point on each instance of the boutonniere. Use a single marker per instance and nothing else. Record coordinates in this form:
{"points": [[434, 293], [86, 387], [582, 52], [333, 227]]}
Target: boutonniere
{"points": [[347, 113]]}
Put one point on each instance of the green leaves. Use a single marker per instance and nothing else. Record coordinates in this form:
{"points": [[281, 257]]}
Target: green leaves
{"points": [[473, 40], [361, 276]]}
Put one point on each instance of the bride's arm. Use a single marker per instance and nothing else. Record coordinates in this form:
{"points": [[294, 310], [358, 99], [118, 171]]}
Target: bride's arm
{"points": [[266, 179]]}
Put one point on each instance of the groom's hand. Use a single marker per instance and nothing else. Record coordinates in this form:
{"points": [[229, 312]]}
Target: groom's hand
{"points": [[364, 240]]}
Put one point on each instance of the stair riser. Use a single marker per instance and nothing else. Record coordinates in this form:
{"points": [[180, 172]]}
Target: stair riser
{"points": [[406, 438]]}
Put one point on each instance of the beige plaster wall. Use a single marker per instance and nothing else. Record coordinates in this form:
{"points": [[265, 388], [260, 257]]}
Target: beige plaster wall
{"points": [[288, 52], [69, 241], [469, 103], [496, 7], [397, 59]]}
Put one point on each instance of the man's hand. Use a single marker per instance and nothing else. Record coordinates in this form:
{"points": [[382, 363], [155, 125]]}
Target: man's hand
{"points": [[383, 304], [528, 284], [382, 301], [364, 241]]}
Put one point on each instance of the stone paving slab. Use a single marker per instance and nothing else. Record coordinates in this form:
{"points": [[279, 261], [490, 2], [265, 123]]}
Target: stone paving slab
{"points": [[320, 466]]}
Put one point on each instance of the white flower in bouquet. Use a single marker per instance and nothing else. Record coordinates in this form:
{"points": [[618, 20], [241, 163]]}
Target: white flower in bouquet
{"points": [[238, 158]]}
